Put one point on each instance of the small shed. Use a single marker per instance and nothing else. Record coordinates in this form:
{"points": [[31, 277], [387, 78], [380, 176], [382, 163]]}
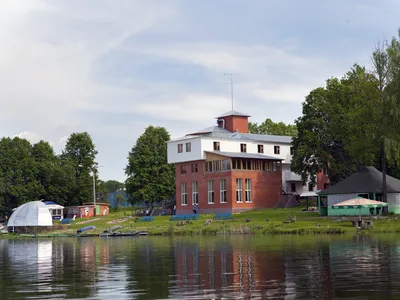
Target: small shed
{"points": [[86, 210], [56, 210], [366, 183], [30, 217]]}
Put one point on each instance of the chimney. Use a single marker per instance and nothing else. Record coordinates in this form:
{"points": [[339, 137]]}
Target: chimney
{"points": [[234, 121]]}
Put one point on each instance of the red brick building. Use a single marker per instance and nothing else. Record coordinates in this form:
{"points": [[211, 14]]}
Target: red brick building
{"points": [[230, 175], [224, 168]]}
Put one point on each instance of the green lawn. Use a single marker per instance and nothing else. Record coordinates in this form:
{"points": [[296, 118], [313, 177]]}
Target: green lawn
{"points": [[266, 221]]}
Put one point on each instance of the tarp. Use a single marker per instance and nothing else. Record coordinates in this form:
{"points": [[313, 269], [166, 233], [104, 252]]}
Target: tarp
{"points": [[359, 203], [34, 213]]}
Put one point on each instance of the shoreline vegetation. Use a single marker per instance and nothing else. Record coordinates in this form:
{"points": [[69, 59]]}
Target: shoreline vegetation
{"points": [[256, 222]]}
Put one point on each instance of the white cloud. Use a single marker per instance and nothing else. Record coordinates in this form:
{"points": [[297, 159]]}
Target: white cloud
{"points": [[55, 55]]}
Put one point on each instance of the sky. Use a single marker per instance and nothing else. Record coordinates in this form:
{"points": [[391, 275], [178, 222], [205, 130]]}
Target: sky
{"points": [[112, 68]]}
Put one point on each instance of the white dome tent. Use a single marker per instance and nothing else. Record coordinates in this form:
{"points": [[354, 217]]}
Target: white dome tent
{"points": [[30, 216]]}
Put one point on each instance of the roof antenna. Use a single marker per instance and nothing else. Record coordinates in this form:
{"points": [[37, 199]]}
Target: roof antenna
{"points": [[230, 74]]}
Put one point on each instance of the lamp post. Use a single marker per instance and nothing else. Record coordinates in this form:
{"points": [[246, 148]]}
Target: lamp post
{"points": [[94, 193], [94, 188]]}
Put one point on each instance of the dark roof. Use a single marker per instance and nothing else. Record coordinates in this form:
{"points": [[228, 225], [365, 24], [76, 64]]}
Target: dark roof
{"points": [[366, 180], [244, 155], [232, 113]]}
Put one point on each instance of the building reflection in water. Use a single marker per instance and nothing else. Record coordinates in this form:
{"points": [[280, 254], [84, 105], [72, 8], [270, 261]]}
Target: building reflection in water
{"points": [[221, 269]]}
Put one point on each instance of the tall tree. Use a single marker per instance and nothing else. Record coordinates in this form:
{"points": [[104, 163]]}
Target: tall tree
{"points": [[386, 67], [337, 128], [19, 173], [272, 128], [80, 153], [150, 177]]}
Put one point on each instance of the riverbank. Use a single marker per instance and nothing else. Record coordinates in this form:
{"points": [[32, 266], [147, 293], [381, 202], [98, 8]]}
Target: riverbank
{"points": [[267, 221]]}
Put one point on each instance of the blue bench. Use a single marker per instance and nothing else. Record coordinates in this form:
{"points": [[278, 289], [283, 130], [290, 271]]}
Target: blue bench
{"points": [[184, 217], [223, 216], [146, 219]]}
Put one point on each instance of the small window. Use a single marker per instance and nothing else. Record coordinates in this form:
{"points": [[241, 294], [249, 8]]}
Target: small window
{"points": [[183, 194], [310, 187], [195, 193], [183, 170], [291, 151], [239, 183], [210, 192], [260, 148], [277, 149], [222, 190], [243, 148], [194, 168], [180, 148], [248, 190], [188, 147], [216, 146], [292, 187]]}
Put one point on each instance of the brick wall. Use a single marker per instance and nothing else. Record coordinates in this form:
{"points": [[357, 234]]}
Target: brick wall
{"points": [[236, 122], [322, 180], [266, 189]]}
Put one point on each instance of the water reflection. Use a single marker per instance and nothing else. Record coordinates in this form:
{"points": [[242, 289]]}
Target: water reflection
{"points": [[201, 268]]}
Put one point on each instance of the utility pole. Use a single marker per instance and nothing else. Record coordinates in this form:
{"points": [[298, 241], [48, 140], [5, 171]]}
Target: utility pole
{"points": [[94, 192], [230, 74]]}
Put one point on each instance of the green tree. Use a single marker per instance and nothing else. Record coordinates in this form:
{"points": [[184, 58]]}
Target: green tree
{"points": [[80, 153], [113, 186], [19, 173], [150, 177], [386, 62], [337, 128], [119, 200], [272, 128]]}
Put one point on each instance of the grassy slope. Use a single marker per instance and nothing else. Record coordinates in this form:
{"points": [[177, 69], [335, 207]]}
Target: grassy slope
{"points": [[307, 222]]}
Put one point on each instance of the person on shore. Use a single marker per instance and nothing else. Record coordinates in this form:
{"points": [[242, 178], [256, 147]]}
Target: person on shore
{"points": [[195, 209]]}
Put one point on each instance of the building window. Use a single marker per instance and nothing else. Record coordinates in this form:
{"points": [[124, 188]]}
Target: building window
{"points": [[195, 193], [194, 168], [292, 187], [248, 190], [260, 148], [183, 170], [210, 192], [188, 147], [216, 146], [239, 184], [180, 148], [222, 190], [277, 149], [310, 187], [218, 165], [291, 151], [243, 148], [183, 194]]}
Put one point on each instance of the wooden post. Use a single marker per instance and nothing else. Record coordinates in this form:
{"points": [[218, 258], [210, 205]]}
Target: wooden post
{"points": [[319, 204]]}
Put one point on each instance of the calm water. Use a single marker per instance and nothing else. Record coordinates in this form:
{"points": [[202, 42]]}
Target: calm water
{"points": [[201, 268]]}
